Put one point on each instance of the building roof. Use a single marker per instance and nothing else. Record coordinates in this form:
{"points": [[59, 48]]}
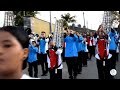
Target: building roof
{"points": [[79, 29]]}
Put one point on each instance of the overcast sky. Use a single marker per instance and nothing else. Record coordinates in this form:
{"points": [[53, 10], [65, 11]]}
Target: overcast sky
{"points": [[93, 18]]}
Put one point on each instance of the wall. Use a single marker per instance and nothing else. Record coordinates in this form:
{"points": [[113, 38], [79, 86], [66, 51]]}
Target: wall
{"points": [[39, 25]]}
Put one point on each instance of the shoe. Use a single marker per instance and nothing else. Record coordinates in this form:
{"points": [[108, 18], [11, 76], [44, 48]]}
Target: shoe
{"points": [[44, 75], [75, 77], [84, 65], [71, 77], [79, 73], [36, 76]]}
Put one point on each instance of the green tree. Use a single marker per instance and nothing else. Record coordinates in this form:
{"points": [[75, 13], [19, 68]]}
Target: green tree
{"points": [[67, 18], [19, 15]]}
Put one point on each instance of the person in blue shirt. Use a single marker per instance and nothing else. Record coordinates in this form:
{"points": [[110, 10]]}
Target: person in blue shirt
{"points": [[80, 54], [43, 43], [85, 50], [113, 47], [32, 59], [71, 53]]}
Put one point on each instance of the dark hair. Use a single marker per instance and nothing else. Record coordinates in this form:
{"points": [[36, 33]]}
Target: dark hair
{"points": [[28, 31], [42, 32], [20, 35]]}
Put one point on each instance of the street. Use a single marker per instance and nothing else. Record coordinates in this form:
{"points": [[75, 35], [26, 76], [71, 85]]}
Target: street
{"points": [[89, 72]]}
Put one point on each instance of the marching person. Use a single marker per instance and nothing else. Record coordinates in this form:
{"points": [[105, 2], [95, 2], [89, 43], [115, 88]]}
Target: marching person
{"points": [[91, 45], [113, 47], [64, 45], [43, 45], [80, 52], [54, 61], [103, 56], [14, 51], [85, 51], [32, 59], [71, 54]]}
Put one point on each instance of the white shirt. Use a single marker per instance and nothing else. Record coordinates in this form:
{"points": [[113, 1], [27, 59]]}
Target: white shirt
{"points": [[24, 76]]}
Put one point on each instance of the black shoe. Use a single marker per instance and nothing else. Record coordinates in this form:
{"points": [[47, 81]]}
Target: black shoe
{"points": [[79, 72], [75, 77], [44, 75], [84, 65], [71, 77], [36, 76]]}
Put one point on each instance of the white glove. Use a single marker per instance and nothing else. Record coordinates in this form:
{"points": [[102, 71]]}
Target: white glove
{"points": [[59, 51], [47, 40], [31, 40]]}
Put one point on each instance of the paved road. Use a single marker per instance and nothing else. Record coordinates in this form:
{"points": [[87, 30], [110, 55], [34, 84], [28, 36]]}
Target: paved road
{"points": [[89, 72]]}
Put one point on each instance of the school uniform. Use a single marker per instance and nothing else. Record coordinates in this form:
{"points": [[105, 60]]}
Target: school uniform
{"points": [[85, 52], [103, 59], [91, 45], [113, 48], [55, 63], [80, 54], [71, 55], [43, 55], [32, 61]]}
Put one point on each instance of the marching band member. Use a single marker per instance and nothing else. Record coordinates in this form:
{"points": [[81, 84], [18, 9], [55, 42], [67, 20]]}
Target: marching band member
{"points": [[54, 61], [32, 59], [85, 52], [103, 56], [43, 43], [80, 52], [113, 47], [71, 54], [91, 44]]}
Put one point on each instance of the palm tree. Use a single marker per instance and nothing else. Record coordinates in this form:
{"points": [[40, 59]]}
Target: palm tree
{"points": [[67, 18], [19, 15]]}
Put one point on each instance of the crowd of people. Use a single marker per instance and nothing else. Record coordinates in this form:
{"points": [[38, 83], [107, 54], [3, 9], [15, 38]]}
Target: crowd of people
{"points": [[77, 49]]}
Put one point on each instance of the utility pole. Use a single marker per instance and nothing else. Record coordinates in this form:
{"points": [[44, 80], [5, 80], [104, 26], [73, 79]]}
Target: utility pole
{"points": [[50, 23], [84, 19]]}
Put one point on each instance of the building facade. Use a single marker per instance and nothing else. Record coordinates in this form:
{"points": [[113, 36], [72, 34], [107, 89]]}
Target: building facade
{"points": [[38, 25]]}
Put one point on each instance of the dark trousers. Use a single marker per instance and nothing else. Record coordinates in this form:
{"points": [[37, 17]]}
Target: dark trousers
{"points": [[91, 51], [59, 73], [85, 56], [80, 61], [113, 59], [43, 62], [54, 75], [117, 56], [30, 69], [63, 55], [103, 71], [72, 66]]}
